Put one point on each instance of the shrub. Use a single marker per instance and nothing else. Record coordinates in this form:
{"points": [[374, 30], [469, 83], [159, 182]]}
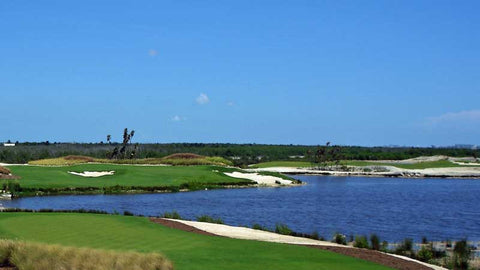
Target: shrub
{"points": [[209, 219], [425, 253], [257, 226], [282, 229], [172, 215], [375, 242], [127, 213], [461, 254], [11, 186], [339, 239], [384, 246], [361, 242], [405, 248]]}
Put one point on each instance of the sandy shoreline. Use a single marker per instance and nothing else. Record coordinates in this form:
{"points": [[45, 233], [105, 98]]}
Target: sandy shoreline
{"points": [[389, 171], [258, 235]]}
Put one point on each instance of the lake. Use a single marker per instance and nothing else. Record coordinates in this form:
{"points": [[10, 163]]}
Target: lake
{"points": [[393, 208]]}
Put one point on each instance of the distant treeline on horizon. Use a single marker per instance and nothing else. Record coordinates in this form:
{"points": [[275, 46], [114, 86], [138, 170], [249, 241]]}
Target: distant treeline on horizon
{"points": [[240, 154]]}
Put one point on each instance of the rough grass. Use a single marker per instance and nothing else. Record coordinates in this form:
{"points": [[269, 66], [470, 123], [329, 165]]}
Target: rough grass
{"points": [[186, 250], [182, 159], [36, 256], [4, 170]]}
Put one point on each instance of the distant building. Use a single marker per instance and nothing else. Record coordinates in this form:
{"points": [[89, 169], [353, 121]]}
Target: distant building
{"points": [[8, 144], [296, 157]]}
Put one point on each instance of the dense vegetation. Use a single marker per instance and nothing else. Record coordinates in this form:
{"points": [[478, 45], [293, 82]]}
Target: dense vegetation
{"points": [[35, 256], [238, 153], [186, 250]]}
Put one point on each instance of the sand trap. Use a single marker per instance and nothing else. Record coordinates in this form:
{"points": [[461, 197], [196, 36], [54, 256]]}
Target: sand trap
{"points": [[261, 179], [92, 174]]}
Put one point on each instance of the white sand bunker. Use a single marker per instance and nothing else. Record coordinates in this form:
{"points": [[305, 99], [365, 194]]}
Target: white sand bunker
{"points": [[92, 174], [261, 179]]}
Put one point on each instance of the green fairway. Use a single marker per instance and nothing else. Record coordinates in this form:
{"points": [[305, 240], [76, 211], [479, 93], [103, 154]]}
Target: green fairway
{"points": [[35, 177], [186, 250]]}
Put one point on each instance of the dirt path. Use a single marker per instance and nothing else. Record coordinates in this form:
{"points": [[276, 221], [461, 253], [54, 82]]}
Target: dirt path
{"points": [[364, 254]]}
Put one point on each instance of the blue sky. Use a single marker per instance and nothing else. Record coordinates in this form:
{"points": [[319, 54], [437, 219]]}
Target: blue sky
{"points": [[287, 72]]}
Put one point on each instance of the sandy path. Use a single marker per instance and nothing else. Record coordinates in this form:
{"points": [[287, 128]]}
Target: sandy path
{"points": [[391, 260]]}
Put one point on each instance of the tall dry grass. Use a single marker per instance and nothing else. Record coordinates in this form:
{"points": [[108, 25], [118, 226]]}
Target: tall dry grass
{"points": [[4, 170], [35, 256]]}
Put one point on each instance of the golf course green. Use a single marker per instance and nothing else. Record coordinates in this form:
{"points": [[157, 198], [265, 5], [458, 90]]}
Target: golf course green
{"points": [[186, 250]]}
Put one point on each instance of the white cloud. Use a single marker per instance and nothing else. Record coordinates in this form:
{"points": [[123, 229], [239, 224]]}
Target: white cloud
{"points": [[202, 99], [231, 103], [177, 118], [452, 117], [152, 52]]}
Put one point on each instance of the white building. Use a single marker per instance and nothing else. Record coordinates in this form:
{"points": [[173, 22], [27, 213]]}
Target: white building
{"points": [[8, 144]]}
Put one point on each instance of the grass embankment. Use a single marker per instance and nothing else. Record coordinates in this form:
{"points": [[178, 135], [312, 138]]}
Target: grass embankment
{"points": [[360, 163], [36, 256], [43, 180], [186, 250], [181, 159]]}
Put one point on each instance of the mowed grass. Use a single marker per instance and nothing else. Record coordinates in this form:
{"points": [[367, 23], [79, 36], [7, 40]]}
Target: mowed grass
{"points": [[420, 165], [186, 250], [125, 175]]}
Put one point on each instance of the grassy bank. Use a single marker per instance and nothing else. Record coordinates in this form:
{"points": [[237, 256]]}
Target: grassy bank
{"points": [[127, 178], [182, 159], [185, 250]]}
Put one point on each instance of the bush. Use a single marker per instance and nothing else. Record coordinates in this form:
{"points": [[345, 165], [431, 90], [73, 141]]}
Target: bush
{"points": [[172, 215], [425, 254], [128, 213], [32, 256], [209, 219], [405, 248], [462, 253], [257, 226], [361, 242], [384, 246], [375, 242], [339, 239], [282, 229]]}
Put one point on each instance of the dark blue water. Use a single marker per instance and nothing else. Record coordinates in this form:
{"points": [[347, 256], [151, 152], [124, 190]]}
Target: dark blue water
{"points": [[393, 208]]}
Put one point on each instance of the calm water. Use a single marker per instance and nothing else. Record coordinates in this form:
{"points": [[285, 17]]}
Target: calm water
{"points": [[393, 208]]}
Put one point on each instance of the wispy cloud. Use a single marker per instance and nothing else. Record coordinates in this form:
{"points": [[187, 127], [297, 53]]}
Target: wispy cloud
{"points": [[177, 118], [230, 103], [152, 52], [202, 99], [451, 117]]}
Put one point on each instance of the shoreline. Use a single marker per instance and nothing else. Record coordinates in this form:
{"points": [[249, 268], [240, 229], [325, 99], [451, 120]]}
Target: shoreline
{"points": [[221, 230], [392, 172]]}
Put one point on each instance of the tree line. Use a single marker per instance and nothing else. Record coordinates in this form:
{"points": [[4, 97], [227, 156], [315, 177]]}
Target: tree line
{"points": [[240, 154]]}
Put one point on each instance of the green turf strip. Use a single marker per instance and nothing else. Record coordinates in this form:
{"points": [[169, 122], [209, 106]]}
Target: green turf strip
{"points": [[186, 250], [125, 175]]}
